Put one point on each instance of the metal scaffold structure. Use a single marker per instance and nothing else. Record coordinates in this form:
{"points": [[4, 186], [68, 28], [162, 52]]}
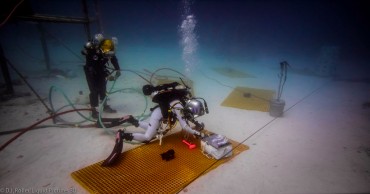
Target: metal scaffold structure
{"points": [[21, 10]]}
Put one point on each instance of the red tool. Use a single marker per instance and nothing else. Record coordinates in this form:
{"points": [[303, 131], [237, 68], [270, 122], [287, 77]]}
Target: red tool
{"points": [[190, 145]]}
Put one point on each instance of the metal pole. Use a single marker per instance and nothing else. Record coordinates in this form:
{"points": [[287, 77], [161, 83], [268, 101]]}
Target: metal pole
{"points": [[87, 24], [5, 70], [44, 45], [98, 16]]}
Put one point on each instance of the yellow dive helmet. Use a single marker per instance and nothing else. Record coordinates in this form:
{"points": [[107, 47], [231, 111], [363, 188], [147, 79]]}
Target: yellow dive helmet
{"points": [[107, 46]]}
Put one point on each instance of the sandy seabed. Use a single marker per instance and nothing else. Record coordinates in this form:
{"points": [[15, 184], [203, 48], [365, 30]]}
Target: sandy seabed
{"points": [[320, 145]]}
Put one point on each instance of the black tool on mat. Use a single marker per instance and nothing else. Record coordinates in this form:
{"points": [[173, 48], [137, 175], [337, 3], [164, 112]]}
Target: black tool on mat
{"points": [[169, 155]]}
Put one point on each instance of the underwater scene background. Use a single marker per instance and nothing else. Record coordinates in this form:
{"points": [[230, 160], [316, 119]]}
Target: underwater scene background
{"points": [[225, 33], [218, 44], [217, 47]]}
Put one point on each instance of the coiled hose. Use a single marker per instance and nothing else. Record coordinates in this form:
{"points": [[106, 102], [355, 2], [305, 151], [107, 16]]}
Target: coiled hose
{"points": [[56, 113]]}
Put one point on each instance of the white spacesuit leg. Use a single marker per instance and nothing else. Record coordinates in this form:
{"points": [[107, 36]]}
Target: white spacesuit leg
{"points": [[143, 124], [151, 127]]}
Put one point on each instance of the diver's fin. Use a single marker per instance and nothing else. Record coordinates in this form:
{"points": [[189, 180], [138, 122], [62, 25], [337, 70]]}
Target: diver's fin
{"points": [[116, 152], [109, 122], [109, 119], [112, 122]]}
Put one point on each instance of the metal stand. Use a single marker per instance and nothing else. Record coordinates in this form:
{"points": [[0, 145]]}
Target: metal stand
{"points": [[277, 105]]}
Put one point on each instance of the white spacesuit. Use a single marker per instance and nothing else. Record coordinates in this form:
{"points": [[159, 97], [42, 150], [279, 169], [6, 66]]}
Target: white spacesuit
{"points": [[174, 104]]}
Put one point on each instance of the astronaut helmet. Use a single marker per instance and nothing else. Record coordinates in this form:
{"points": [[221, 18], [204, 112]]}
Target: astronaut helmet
{"points": [[194, 107]]}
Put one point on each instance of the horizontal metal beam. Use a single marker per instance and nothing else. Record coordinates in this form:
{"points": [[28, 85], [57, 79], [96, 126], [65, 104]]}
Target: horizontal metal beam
{"points": [[54, 19]]}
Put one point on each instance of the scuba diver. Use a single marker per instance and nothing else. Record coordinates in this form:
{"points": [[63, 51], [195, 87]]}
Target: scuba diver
{"points": [[174, 104], [98, 53]]}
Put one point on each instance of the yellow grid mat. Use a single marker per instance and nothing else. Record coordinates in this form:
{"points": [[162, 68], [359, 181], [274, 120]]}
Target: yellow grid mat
{"points": [[232, 73], [257, 100], [142, 170]]}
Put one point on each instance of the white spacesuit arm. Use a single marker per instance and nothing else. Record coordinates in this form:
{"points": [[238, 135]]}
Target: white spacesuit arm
{"points": [[184, 125]]}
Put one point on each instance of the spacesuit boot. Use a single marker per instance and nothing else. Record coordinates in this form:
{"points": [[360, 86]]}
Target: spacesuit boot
{"points": [[124, 136]]}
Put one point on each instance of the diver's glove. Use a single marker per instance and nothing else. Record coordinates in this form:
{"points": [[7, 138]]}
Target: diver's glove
{"points": [[118, 73], [199, 126], [111, 78], [199, 135]]}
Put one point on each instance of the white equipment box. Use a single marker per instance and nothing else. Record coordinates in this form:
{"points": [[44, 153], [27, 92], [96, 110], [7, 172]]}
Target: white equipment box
{"points": [[216, 146]]}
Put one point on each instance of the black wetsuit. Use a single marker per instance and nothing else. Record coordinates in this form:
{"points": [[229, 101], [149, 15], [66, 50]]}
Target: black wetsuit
{"points": [[96, 73]]}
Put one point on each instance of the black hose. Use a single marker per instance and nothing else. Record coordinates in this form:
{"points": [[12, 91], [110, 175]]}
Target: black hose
{"points": [[19, 130], [37, 123], [65, 125]]}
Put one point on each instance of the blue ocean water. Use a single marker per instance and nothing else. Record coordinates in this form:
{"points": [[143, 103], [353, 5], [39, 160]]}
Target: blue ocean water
{"points": [[237, 30], [193, 36], [211, 42]]}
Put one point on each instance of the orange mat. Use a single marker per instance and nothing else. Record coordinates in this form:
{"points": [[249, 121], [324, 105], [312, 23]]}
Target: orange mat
{"points": [[249, 99], [142, 170]]}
